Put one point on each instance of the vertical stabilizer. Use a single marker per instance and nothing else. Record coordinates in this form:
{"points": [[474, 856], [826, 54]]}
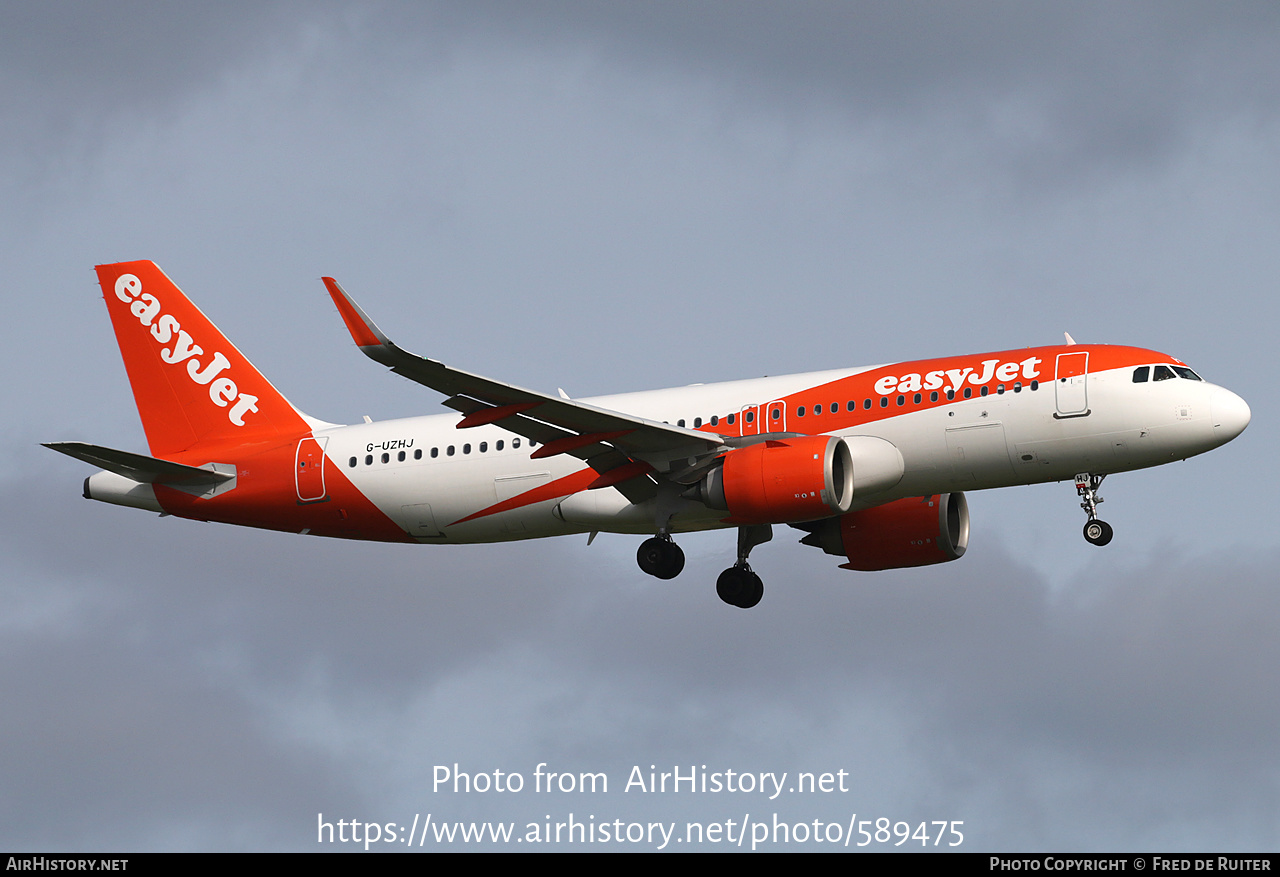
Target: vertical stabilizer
{"points": [[192, 386]]}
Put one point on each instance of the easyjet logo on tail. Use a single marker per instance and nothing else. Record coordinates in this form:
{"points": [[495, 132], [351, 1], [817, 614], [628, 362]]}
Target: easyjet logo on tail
{"points": [[165, 328]]}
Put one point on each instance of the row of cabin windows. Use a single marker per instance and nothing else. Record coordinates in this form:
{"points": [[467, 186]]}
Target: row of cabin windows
{"points": [[774, 414], [867, 404], [449, 451]]}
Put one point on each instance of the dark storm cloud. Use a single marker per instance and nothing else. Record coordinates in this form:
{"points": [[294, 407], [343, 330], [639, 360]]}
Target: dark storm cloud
{"points": [[1058, 88]]}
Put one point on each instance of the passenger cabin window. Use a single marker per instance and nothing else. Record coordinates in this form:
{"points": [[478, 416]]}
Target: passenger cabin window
{"points": [[1141, 373]]}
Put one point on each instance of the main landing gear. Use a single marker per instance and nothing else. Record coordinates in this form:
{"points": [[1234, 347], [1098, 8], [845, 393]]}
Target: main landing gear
{"points": [[738, 585], [1095, 531], [660, 557]]}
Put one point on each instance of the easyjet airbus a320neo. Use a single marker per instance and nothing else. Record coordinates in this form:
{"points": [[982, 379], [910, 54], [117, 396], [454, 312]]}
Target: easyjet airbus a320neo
{"points": [[871, 463]]}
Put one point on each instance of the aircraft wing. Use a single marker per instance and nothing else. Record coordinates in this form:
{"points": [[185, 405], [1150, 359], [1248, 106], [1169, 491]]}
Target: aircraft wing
{"points": [[143, 469], [625, 450]]}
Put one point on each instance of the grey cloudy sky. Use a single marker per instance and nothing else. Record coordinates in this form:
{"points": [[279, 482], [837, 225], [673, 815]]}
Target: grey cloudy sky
{"points": [[606, 198]]}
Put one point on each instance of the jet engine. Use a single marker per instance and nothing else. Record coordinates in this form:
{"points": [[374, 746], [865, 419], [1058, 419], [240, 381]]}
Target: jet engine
{"points": [[781, 480], [918, 531], [802, 478]]}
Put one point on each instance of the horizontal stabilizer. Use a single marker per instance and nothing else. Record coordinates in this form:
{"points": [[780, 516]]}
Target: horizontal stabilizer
{"points": [[145, 470]]}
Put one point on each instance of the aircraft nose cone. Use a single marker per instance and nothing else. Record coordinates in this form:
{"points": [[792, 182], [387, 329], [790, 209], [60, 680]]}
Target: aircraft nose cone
{"points": [[1230, 414]]}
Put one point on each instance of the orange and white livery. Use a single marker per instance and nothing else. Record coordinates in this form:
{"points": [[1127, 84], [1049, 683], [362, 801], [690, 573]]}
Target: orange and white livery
{"points": [[871, 463]]}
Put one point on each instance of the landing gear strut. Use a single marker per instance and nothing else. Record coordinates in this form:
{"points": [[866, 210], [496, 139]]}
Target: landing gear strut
{"points": [[660, 557], [1095, 531], [739, 585]]}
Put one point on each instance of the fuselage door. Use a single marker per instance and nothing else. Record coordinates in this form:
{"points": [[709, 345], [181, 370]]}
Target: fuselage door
{"points": [[308, 470], [749, 420], [1070, 384], [776, 417]]}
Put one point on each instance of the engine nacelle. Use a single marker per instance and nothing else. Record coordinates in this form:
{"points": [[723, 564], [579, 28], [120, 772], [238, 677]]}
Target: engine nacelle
{"points": [[918, 531], [781, 480]]}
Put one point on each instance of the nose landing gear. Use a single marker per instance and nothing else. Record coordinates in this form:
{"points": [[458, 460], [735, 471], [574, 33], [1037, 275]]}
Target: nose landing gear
{"points": [[1096, 532]]}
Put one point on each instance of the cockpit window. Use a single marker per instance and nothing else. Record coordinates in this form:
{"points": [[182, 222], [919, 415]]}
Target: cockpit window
{"points": [[1164, 373]]}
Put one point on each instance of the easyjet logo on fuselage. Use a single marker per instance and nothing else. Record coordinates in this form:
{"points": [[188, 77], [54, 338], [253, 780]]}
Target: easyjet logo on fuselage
{"points": [[914, 382], [164, 327]]}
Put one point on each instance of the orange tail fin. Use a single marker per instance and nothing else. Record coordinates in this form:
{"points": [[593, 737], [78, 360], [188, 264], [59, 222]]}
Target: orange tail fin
{"points": [[192, 386]]}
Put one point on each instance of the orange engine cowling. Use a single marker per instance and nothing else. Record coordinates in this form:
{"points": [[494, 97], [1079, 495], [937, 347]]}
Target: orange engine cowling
{"points": [[778, 481], [918, 531]]}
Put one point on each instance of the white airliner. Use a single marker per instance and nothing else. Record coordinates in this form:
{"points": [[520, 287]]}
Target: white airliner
{"points": [[870, 462]]}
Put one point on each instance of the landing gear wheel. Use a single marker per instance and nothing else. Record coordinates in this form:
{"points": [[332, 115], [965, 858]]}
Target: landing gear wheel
{"points": [[739, 586], [1095, 532], [660, 557], [1098, 532]]}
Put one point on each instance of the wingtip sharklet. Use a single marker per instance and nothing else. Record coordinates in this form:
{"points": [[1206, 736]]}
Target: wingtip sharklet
{"points": [[364, 331]]}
